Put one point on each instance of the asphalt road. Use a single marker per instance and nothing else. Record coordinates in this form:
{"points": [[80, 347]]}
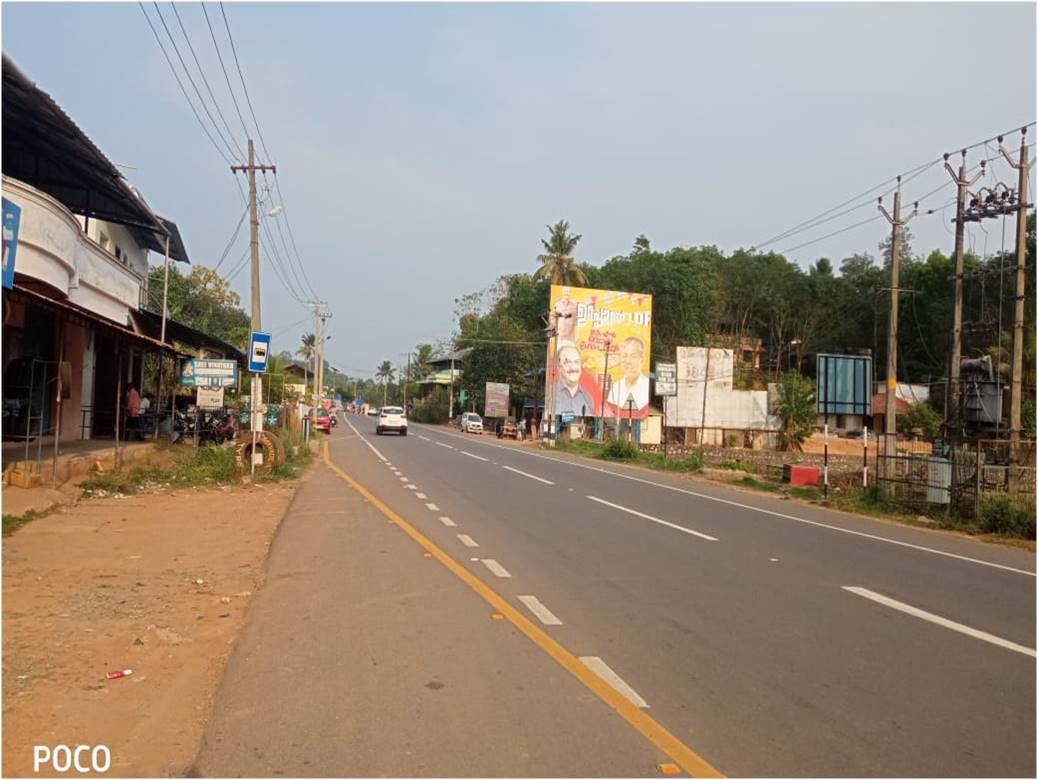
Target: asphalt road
{"points": [[772, 638]]}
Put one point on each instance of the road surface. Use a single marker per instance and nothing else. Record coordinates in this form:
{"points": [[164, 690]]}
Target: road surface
{"points": [[767, 637]]}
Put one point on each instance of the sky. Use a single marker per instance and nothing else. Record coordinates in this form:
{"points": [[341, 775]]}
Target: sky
{"points": [[423, 148]]}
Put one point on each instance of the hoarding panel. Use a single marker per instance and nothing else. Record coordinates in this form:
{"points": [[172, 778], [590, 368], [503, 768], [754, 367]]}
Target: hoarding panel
{"points": [[603, 337], [844, 384], [496, 400]]}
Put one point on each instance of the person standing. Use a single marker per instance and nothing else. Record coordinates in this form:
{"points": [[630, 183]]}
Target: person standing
{"points": [[133, 412]]}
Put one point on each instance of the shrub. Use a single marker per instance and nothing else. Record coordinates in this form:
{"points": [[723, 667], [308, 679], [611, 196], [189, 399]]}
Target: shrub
{"points": [[1008, 516], [797, 409], [920, 416], [620, 450]]}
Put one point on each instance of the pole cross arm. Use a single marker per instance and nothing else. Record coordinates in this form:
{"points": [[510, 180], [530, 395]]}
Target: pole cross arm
{"points": [[247, 168], [1012, 163]]}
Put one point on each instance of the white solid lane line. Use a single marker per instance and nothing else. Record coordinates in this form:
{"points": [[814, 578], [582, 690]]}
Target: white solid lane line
{"points": [[542, 612], [432, 507], [477, 457], [371, 446], [496, 568], [467, 540], [448, 522], [655, 519], [421, 496], [752, 508], [531, 476], [938, 620], [441, 444], [599, 667]]}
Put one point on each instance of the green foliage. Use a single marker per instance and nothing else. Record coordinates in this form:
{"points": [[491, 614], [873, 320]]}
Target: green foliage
{"points": [[1008, 516], [797, 410], [619, 449], [732, 465], [557, 263], [194, 468], [920, 416], [433, 408], [12, 523], [201, 300]]}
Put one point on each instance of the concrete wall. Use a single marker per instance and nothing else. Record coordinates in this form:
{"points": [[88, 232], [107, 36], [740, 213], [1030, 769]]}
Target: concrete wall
{"points": [[725, 408], [53, 248]]}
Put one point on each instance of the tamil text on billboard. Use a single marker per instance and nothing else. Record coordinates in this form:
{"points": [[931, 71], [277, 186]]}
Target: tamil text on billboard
{"points": [[602, 347], [496, 400]]}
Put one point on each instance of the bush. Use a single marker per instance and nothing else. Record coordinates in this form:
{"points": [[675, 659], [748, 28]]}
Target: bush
{"points": [[620, 450], [797, 409], [1008, 516], [920, 416]]}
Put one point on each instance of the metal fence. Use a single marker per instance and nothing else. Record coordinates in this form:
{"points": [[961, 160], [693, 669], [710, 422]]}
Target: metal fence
{"points": [[931, 476]]}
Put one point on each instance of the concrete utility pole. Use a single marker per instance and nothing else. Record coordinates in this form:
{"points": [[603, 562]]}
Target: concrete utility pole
{"points": [[890, 413], [549, 385], [257, 385], [951, 397], [1017, 366], [450, 393]]}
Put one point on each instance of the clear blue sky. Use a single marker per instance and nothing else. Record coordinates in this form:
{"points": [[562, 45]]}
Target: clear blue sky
{"points": [[422, 149]]}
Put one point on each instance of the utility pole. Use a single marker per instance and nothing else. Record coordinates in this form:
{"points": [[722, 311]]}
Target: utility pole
{"points": [[1017, 366], [951, 398], [407, 379], [549, 385], [890, 413], [450, 393], [257, 385]]}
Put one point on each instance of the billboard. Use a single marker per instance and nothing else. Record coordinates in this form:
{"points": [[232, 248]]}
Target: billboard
{"points": [[209, 373], [602, 349], [666, 379], [496, 400], [844, 384], [707, 397]]}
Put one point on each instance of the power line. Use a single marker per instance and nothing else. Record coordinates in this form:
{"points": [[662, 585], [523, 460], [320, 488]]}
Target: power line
{"points": [[907, 175], [830, 235], [194, 86], [288, 254], [227, 78], [180, 84], [205, 81], [230, 243]]}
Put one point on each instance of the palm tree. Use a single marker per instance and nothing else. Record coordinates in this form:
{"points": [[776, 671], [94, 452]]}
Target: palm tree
{"points": [[384, 375], [557, 263], [307, 352]]}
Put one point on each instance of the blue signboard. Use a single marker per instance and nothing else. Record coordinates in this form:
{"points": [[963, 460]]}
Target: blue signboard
{"points": [[209, 373], [12, 214], [844, 384], [259, 348]]}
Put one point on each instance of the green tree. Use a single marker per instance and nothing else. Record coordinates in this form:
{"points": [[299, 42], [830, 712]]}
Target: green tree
{"points": [[797, 409], [557, 263], [201, 300], [307, 351], [384, 375]]}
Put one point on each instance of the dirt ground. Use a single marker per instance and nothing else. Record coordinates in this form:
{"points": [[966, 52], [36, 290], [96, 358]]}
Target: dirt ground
{"points": [[159, 583]]}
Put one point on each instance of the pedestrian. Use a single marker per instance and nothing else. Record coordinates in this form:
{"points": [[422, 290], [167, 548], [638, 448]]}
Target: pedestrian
{"points": [[522, 429], [133, 412]]}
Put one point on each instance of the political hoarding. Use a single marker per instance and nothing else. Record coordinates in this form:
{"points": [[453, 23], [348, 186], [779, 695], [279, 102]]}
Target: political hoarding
{"points": [[496, 400], [602, 346]]}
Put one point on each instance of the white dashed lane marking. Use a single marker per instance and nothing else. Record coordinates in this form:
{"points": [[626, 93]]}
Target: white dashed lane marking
{"points": [[542, 612], [477, 457], [441, 444], [467, 540], [599, 667], [421, 496], [448, 522], [654, 519], [529, 476], [432, 507], [496, 568]]}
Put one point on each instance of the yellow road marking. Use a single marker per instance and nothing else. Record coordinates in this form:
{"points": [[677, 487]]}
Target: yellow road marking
{"points": [[683, 755]]}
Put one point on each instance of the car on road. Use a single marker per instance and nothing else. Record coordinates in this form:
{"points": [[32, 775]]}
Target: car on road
{"points": [[391, 418], [323, 421], [373, 411], [471, 423]]}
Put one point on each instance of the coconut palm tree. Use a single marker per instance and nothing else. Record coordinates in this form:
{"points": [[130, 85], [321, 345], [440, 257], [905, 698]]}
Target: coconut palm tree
{"points": [[307, 352], [557, 263], [384, 375]]}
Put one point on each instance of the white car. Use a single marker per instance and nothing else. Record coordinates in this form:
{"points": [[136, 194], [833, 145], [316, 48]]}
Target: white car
{"points": [[391, 418], [471, 423]]}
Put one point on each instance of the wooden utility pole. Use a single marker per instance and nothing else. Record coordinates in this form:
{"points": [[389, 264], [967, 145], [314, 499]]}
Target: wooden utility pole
{"points": [[256, 394], [1017, 366], [890, 412], [952, 404]]}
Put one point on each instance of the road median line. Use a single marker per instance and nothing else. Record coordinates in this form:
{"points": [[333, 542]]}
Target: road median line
{"points": [[678, 751]]}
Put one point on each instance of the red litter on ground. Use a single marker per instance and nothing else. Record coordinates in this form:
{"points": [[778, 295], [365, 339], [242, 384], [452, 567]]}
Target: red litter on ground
{"points": [[119, 673]]}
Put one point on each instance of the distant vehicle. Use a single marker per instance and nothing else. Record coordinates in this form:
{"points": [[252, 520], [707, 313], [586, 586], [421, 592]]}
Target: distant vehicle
{"points": [[391, 418], [854, 433], [323, 421], [471, 423], [373, 411]]}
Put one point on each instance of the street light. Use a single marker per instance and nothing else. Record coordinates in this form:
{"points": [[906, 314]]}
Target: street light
{"points": [[274, 212]]}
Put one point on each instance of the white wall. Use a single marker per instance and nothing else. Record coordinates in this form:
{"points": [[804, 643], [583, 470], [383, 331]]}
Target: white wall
{"points": [[53, 248], [725, 407]]}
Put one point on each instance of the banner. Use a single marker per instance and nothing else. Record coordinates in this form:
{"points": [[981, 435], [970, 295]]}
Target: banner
{"points": [[666, 379], [602, 348], [12, 214], [496, 400]]}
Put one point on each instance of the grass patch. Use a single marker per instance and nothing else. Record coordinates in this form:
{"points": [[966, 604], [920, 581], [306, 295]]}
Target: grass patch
{"points": [[1012, 516], [298, 458], [193, 468], [629, 452], [734, 465], [12, 523], [756, 484]]}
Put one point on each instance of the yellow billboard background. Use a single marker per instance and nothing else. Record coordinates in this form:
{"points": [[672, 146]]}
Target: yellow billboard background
{"points": [[597, 320]]}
